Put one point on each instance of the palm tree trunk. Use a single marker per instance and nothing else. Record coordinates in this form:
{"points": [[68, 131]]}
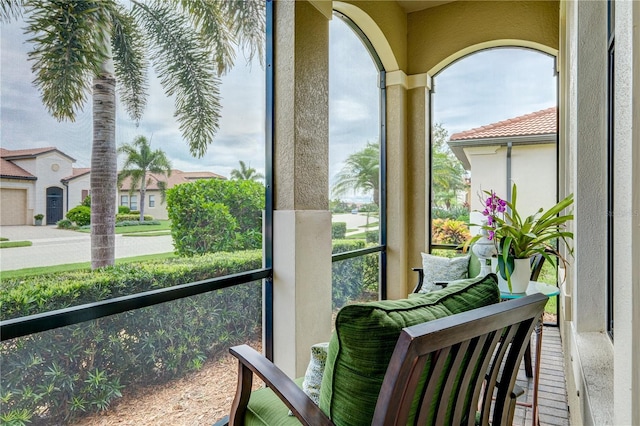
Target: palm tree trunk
{"points": [[103, 172], [143, 192]]}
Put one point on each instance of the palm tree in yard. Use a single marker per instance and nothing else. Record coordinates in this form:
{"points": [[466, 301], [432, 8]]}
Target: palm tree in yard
{"points": [[246, 173], [80, 48], [361, 172], [140, 161]]}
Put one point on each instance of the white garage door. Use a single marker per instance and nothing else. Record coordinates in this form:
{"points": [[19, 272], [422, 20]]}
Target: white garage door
{"points": [[13, 206]]}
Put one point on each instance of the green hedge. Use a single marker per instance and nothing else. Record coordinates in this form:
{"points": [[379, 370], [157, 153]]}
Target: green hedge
{"points": [[54, 376], [338, 230], [123, 217]]}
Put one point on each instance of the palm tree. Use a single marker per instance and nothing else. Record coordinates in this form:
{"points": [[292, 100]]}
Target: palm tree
{"points": [[361, 172], [140, 161], [246, 173], [447, 172], [188, 42]]}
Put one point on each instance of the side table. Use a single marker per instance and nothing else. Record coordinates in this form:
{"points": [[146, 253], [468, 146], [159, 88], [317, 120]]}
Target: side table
{"points": [[548, 290]]}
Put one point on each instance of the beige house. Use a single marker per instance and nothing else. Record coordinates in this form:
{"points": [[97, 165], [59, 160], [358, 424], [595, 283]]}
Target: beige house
{"points": [[154, 204], [520, 150], [39, 181]]}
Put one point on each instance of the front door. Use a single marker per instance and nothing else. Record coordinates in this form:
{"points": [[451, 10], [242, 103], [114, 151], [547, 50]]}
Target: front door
{"points": [[54, 205]]}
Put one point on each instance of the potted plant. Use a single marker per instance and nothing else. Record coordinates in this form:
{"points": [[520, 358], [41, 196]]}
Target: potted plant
{"points": [[518, 239], [38, 219]]}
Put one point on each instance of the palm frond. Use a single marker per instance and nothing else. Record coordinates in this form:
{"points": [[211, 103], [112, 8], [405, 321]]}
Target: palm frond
{"points": [[182, 64], [130, 63], [70, 44], [10, 10]]}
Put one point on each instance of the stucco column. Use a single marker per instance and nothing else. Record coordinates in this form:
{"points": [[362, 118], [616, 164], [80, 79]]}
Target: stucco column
{"points": [[397, 226], [302, 221], [408, 170]]}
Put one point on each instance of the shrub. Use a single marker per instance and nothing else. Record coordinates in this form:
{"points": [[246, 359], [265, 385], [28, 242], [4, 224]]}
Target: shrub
{"points": [[64, 224], [56, 375], [338, 230], [372, 237], [87, 201], [137, 223], [449, 231], [124, 217], [81, 215], [214, 215], [348, 281], [123, 209]]}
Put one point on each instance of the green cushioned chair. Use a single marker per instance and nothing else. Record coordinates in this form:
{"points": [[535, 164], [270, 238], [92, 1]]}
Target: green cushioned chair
{"points": [[370, 376]]}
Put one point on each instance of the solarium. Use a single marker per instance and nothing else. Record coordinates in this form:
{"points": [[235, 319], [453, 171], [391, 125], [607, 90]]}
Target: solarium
{"points": [[598, 161]]}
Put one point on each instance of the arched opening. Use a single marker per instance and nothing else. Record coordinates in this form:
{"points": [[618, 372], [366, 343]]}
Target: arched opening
{"points": [[356, 163], [494, 124]]}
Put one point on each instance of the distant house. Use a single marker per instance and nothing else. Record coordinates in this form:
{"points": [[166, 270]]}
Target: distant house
{"points": [[520, 150], [44, 181], [38, 181], [153, 199]]}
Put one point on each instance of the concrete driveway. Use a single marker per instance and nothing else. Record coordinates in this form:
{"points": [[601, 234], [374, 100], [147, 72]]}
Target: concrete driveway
{"points": [[52, 246]]}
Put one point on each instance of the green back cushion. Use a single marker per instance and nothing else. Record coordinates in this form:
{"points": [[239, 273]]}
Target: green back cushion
{"points": [[366, 334], [474, 265]]}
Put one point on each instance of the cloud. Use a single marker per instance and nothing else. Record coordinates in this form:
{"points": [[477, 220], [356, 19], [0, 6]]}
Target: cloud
{"points": [[491, 86]]}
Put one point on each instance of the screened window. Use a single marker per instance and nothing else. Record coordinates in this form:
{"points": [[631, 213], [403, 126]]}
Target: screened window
{"points": [[189, 286]]}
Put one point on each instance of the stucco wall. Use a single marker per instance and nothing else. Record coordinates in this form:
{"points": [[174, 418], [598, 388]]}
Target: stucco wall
{"points": [[437, 33]]}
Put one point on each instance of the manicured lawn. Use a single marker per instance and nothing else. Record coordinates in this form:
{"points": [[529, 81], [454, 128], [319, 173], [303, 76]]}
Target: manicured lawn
{"points": [[26, 272], [9, 244]]}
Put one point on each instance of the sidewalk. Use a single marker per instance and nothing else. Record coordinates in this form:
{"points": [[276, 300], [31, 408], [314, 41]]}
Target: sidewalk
{"points": [[52, 246]]}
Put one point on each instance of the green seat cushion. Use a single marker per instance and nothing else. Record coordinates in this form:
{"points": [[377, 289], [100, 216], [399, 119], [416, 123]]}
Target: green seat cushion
{"points": [[265, 408], [366, 334]]}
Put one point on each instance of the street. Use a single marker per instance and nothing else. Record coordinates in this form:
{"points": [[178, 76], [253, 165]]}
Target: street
{"points": [[52, 246]]}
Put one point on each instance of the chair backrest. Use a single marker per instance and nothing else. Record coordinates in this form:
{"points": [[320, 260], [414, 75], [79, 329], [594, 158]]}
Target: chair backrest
{"points": [[440, 369]]}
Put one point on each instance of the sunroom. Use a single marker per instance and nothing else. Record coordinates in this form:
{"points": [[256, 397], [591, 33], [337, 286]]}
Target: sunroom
{"points": [[289, 288]]}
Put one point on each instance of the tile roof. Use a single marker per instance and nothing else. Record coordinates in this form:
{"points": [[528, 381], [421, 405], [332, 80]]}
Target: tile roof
{"points": [[32, 152], [10, 170], [536, 123], [177, 177], [77, 172]]}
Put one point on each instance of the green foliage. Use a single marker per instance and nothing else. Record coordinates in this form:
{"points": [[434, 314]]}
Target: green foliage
{"points": [[370, 207], [129, 217], [355, 278], [246, 172], [216, 215], [372, 237], [361, 172], [338, 230], [39, 216], [338, 206], [460, 213], [123, 209], [449, 231], [64, 224], [55, 376], [87, 201], [137, 222], [80, 215]]}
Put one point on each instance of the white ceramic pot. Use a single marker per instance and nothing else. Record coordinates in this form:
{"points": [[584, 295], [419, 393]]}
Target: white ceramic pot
{"points": [[519, 278], [521, 275]]}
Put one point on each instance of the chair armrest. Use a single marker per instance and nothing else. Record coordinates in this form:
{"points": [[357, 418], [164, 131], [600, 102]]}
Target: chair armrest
{"points": [[420, 272], [250, 361]]}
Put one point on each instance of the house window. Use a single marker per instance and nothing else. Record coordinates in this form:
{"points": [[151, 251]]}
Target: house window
{"points": [[124, 200], [84, 194], [133, 203], [152, 200]]}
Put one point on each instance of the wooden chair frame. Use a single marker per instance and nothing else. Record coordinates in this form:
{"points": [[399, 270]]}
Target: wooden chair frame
{"points": [[460, 349]]}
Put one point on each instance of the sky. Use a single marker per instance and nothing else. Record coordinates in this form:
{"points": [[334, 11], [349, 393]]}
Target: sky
{"points": [[477, 90]]}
